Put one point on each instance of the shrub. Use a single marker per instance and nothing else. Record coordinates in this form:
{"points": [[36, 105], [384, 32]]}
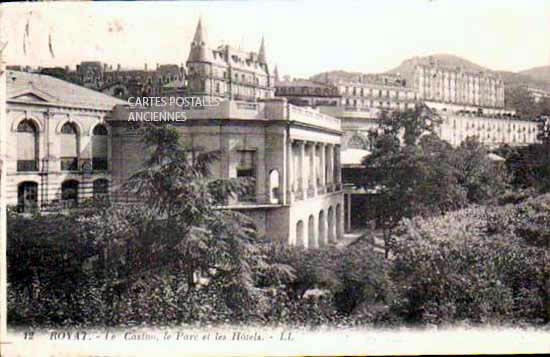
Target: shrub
{"points": [[460, 267]]}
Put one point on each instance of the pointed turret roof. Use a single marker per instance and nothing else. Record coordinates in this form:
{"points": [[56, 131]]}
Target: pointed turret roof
{"points": [[199, 50], [261, 53], [200, 36]]}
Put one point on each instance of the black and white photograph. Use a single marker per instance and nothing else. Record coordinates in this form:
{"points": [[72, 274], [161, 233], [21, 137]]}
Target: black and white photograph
{"points": [[274, 178]]}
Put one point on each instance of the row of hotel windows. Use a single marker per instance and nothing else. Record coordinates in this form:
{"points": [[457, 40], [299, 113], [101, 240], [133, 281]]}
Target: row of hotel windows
{"points": [[137, 79], [28, 153], [470, 77], [27, 194], [362, 92], [306, 91], [243, 78], [372, 104]]}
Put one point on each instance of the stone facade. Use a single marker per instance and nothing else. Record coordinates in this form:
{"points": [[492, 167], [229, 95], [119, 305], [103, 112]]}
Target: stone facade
{"points": [[291, 152], [58, 146]]}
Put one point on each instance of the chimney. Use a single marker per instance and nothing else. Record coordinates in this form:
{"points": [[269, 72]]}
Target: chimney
{"points": [[145, 66], [158, 66], [104, 67], [118, 67]]}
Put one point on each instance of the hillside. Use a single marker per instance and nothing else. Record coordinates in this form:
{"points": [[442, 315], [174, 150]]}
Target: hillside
{"points": [[538, 73], [406, 68], [333, 75]]}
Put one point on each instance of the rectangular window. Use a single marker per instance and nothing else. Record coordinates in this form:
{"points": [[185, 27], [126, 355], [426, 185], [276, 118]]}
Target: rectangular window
{"points": [[246, 169], [99, 163], [69, 164], [27, 165]]}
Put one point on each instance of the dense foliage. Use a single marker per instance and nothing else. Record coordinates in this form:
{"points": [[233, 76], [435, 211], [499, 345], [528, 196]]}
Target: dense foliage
{"points": [[528, 166], [415, 173], [480, 264]]}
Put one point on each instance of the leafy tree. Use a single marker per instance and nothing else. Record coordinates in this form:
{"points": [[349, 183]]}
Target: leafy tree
{"points": [[519, 99], [482, 178], [415, 178], [528, 166], [408, 125], [176, 223]]}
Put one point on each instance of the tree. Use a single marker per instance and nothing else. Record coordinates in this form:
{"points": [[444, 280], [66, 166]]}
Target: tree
{"points": [[519, 99], [482, 178], [178, 224], [415, 178], [408, 125], [528, 166]]}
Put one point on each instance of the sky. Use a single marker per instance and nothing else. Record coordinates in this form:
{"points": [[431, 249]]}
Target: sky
{"points": [[302, 37]]}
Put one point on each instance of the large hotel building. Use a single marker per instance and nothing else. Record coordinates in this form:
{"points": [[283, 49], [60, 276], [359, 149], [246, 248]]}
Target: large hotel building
{"points": [[434, 82]]}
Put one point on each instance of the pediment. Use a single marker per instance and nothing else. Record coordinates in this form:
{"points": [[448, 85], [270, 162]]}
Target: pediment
{"points": [[30, 97]]}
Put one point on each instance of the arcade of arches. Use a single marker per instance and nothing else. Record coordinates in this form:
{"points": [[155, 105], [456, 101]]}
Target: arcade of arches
{"points": [[314, 169], [321, 229]]}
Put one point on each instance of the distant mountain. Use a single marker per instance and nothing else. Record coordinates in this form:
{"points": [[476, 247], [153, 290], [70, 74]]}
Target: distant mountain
{"points": [[335, 75], [513, 79], [538, 77], [406, 68], [538, 73]]}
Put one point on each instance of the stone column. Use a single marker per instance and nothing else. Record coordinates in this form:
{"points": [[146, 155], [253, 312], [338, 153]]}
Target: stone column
{"points": [[313, 168], [290, 170], [338, 167], [330, 165], [322, 164], [302, 166], [340, 222]]}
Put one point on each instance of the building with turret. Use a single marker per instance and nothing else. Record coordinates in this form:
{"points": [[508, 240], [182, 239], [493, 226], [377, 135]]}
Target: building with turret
{"points": [[226, 72]]}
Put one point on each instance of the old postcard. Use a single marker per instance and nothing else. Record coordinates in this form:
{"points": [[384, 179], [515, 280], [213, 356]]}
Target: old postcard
{"points": [[274, 178]]}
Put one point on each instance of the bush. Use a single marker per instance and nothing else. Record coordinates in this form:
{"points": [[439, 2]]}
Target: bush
{"points": [[469, 265]]}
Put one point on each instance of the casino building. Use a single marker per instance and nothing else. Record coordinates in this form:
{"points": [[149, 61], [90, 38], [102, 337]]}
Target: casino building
{"points": [[292, 153]]}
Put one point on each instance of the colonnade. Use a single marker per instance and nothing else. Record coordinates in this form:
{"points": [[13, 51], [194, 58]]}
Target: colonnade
{"points": [[313, 169]]}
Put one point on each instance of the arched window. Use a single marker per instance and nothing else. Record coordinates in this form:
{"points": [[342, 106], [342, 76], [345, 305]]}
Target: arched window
{"points": [[69, 147], [27, 196], [27, 146], [69, 193], [337, 221], [101, 188], [300, 234], [311, 239], [100, 148], [322, 232], [356, 142], [331, 231], [274, 187]]}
